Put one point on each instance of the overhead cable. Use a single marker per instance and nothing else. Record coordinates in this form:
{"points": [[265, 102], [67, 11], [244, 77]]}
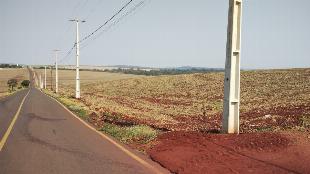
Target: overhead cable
{"points": [[92, 33]]}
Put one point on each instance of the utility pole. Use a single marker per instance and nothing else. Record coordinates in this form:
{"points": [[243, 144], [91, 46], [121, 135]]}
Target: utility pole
{"points": [[77, 44], [56, 67], [44, 77], [36, 79], [41, 82], [232, 69], [42, 86], [51, 77]]}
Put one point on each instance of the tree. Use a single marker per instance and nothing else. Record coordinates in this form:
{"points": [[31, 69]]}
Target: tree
{"points": [[25, 83], [12, 83]]}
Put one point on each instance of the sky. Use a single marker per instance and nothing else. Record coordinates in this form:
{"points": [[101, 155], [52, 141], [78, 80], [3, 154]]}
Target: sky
{"points": [[159, 33]]}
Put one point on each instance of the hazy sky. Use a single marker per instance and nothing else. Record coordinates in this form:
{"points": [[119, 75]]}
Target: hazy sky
{"points": [[160, 33]]}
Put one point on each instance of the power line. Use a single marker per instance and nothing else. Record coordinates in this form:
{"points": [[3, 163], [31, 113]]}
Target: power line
{"points": [[68, 61], [101, 26], [133, 9], [68, 53], [89, 35]]}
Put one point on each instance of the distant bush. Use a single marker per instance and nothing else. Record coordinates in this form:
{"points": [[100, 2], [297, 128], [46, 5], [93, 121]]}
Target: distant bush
{"points": [[25, 83], [12, 83]]}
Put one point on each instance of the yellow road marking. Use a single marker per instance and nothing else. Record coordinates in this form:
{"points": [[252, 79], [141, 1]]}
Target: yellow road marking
{"points": [[8, 131], [132, 155]]}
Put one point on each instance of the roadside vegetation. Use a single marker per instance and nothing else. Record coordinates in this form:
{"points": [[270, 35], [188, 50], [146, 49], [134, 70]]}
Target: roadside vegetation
{"points": [[73, 105], [12, 80], [140, 134], [12, 83]]}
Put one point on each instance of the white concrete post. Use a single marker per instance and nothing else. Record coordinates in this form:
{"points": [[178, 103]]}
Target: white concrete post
{"points": [[77, 44], [40, 81], [77, 94], [56, 67], [51, 77], [232, 68], [77, 83], [44, 77], [35, 79]]}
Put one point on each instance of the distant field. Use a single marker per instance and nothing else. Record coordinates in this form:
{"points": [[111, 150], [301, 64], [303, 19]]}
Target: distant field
{"points": [[6, 74], [270, 99], [67, 77]]}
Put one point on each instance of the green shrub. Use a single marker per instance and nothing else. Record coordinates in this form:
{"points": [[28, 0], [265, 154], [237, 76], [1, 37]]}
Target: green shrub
{"points": [[25, 83], [78, 110], [12, 83], [139, 133]]}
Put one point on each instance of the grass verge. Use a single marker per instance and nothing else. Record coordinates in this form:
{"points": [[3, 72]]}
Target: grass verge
{"points": [[76, 107], [140, 134]]}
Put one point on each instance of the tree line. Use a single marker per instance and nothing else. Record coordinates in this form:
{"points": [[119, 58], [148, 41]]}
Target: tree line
{"points": [[5, 65], [164, 71]]}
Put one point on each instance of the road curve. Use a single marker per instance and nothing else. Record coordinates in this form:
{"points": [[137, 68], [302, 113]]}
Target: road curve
{"points": [[48, 139]]}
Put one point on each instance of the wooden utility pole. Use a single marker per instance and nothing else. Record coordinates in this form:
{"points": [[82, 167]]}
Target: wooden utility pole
{"points": [[232, 69]]}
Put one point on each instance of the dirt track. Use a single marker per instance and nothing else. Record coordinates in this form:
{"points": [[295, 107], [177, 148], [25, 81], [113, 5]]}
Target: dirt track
{"points": [[185, 153]]}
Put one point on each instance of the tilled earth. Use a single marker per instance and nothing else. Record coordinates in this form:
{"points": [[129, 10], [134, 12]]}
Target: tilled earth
{"points": [[270, 99], [192, 152], [252, 121]]}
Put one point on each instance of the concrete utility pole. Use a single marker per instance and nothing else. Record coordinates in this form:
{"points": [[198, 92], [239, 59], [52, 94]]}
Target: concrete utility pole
{"points": [[56, 67], [77, 44], [51, 77], [41, 82], [44, 77], [232, 68], [36, 79]]}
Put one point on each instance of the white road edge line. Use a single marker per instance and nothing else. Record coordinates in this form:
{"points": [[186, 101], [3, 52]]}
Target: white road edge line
{"points": [[132, 155]]}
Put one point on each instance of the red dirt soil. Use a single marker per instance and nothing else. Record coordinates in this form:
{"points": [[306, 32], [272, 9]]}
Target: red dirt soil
{"points": [[193, 152]]}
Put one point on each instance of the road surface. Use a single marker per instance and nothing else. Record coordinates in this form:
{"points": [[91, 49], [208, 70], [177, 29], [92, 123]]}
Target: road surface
{"points": [[46, 139]]}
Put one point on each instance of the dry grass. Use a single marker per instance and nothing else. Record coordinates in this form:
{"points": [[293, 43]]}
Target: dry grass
{"points": [[6, 74], [269, 98]]}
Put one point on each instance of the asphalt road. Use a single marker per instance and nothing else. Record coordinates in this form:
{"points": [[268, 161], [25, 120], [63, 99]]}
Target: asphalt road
{"points": [[46, 139]]}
